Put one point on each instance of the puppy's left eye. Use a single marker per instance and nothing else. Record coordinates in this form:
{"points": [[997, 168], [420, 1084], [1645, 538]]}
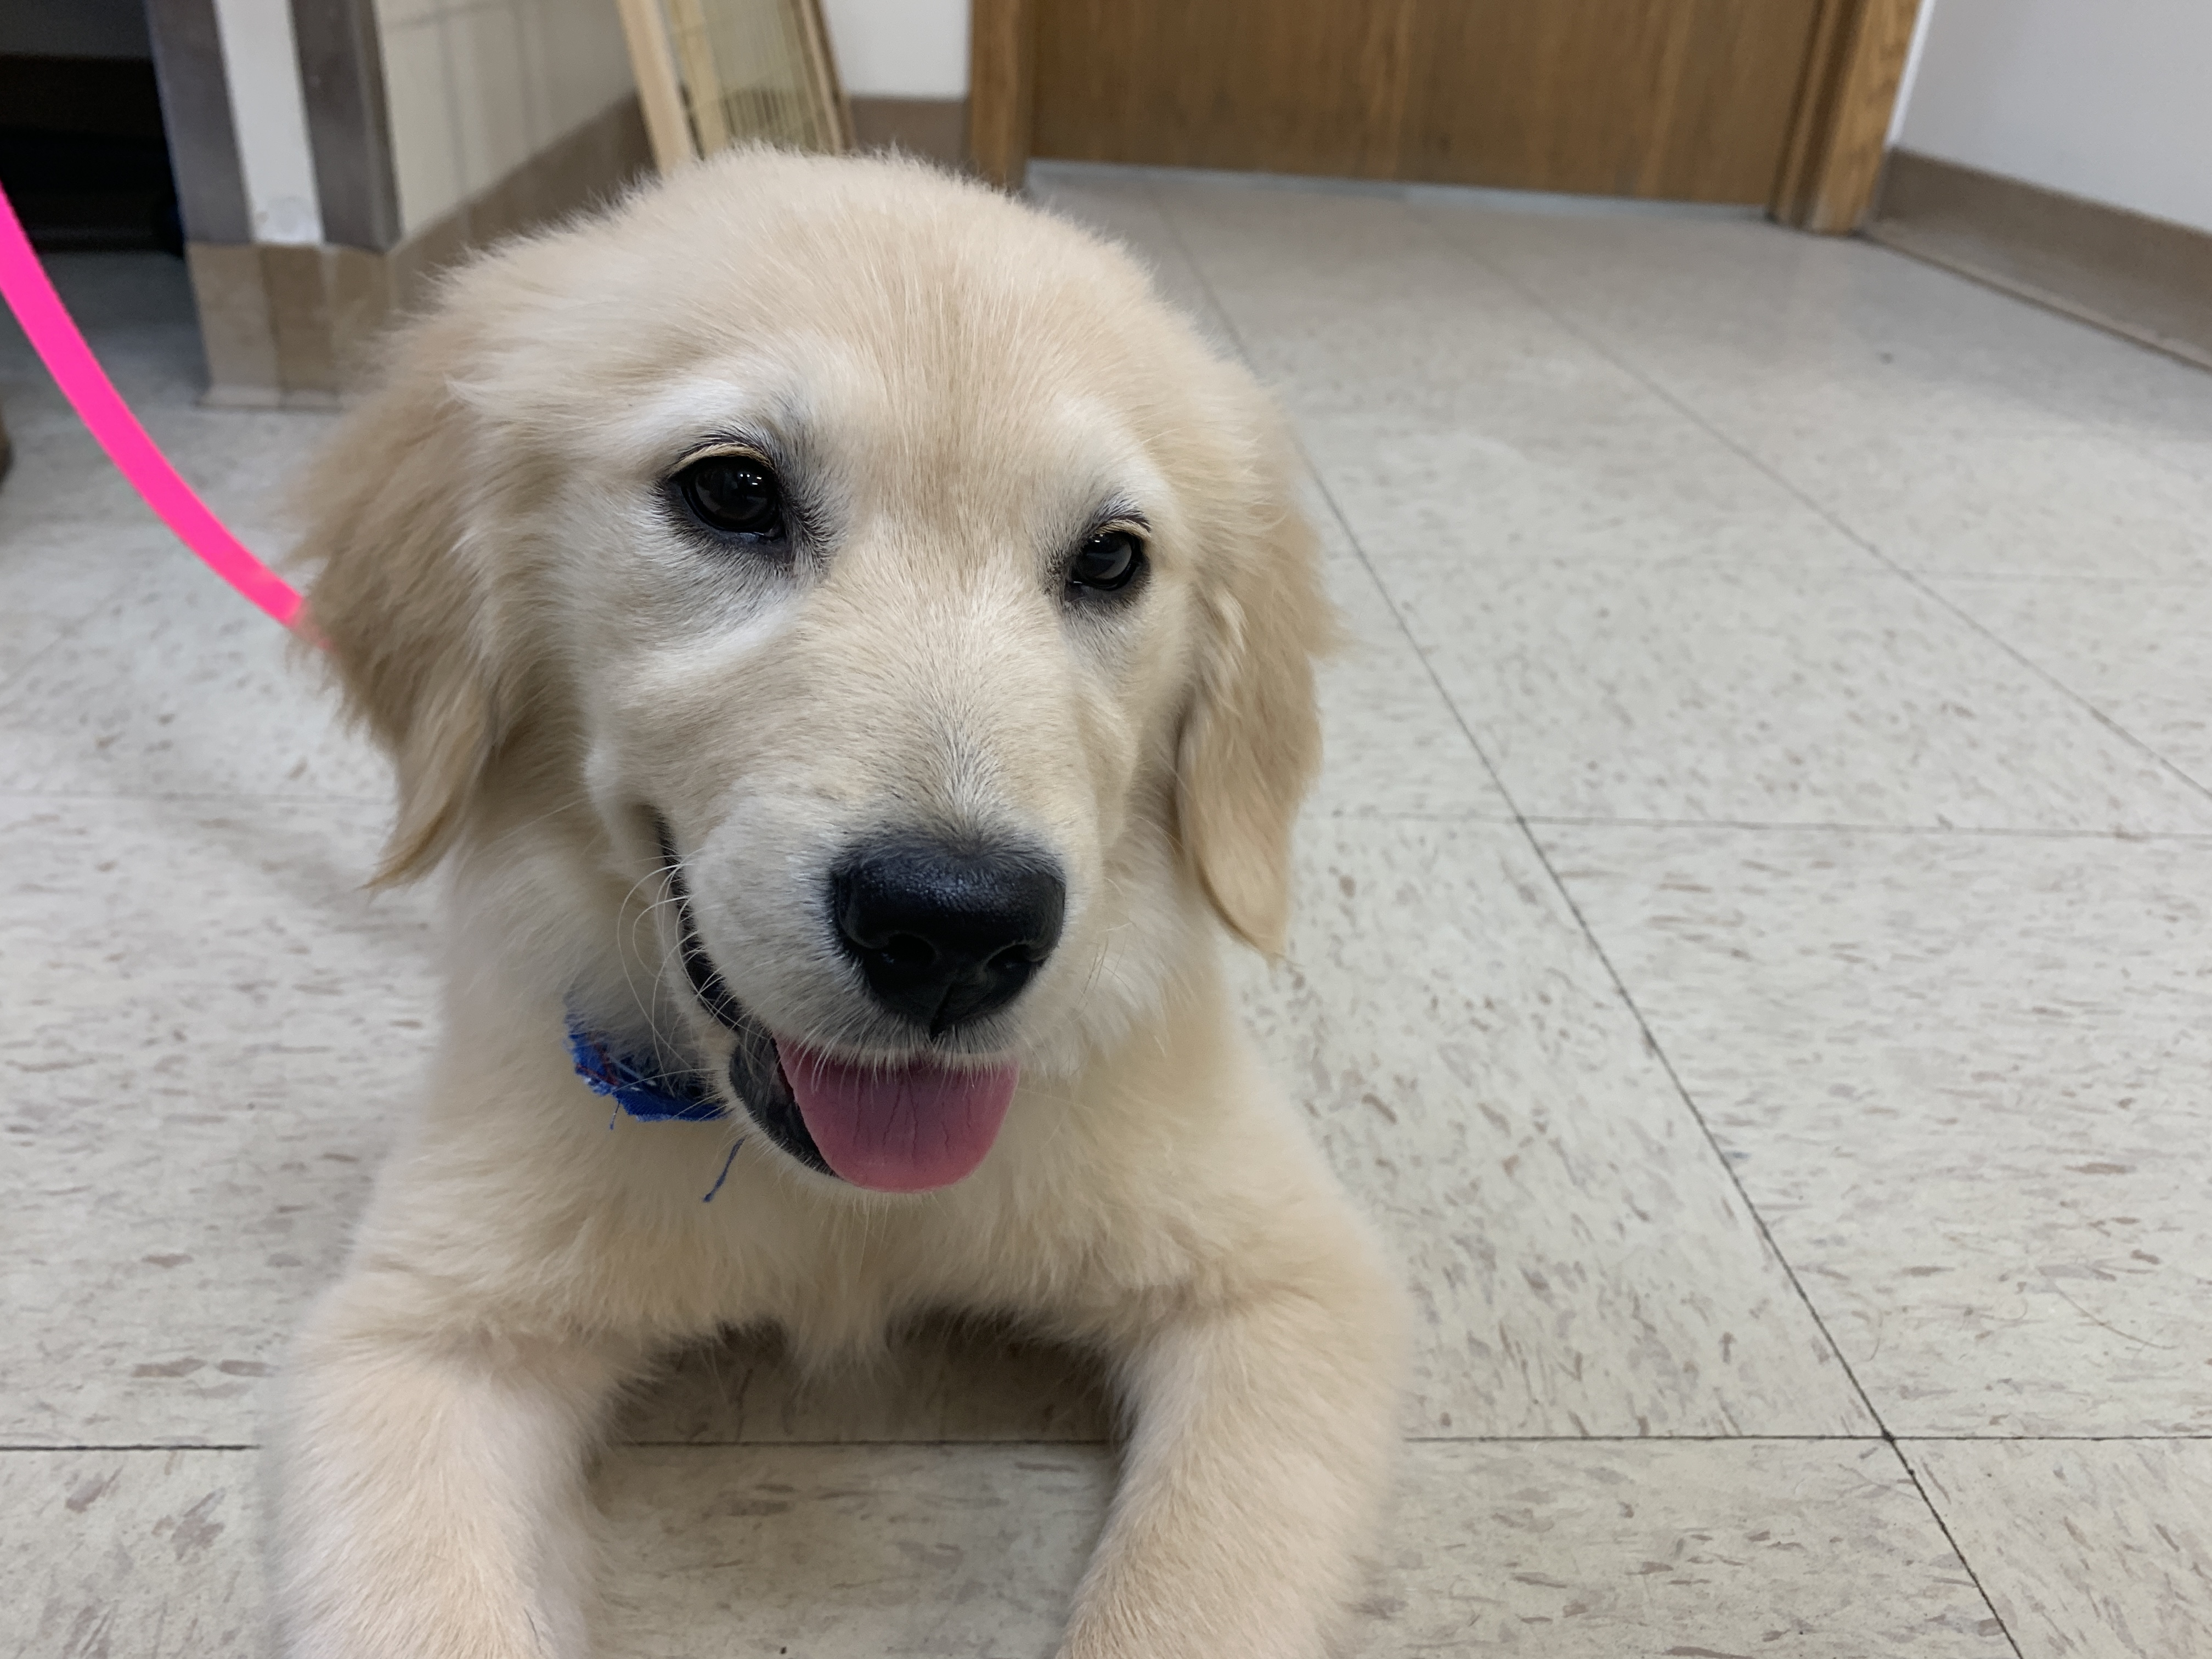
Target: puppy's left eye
{"points": [[1107, 562], [735, 495]]}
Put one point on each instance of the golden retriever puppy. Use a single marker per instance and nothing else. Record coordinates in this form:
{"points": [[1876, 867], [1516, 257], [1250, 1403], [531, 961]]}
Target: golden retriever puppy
{"points": [[850, 645]]}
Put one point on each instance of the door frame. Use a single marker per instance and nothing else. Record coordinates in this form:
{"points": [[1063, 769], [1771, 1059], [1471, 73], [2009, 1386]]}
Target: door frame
{"points": [[1839, 136], [1832, 162], [1001, 88]]}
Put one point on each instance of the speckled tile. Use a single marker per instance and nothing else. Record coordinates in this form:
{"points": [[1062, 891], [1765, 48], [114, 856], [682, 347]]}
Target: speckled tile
{"points": [[1555, 1552], [137, 311], [1583, 1264], [2146, 396], [1449, 414], [1353, 306], [1337, 545], [1580, 1262], [178, 687], [942, 1383], [1528, 354], [61, 478], [2080, 504], [242, 463], [1442, 360], [1750, 326], [1390, 743], [838, 1551], [1593, 456], [147, 1554], [2190, 457], [208, 1026], [1625, 477], [1618, 688], [1338, 299], [246, 463], [1757, 328], [1295, 240], [1967, 1080], [2133, 651], [54, 576], [2088, 1549], [1122, 208], [1801, 1550]]}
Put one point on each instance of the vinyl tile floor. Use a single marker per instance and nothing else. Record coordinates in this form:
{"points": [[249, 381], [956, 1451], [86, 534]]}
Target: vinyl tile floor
{"points": [[1754, 959]]}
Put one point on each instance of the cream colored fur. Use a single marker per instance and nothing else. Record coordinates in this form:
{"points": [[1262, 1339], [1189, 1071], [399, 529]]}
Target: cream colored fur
{"points": [[962, 379]]}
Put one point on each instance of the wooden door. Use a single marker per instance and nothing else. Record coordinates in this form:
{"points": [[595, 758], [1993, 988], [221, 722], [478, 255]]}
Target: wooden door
{"points": [[1701, 100]]}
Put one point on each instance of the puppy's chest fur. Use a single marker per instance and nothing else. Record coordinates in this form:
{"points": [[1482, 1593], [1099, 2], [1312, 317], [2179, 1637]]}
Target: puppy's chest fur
{"points": [[837, 1274]]}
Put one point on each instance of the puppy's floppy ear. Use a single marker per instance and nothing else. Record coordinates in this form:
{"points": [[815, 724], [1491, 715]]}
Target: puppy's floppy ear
{"points": [[404, 609], [1250, 743]]}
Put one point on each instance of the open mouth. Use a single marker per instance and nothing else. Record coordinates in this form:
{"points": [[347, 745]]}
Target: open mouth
{"points": [[892, 1126]]}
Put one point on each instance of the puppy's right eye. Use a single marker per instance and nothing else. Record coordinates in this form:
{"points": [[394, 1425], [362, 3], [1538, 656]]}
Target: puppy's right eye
{"points": [[1107, 562], [732, 495]]}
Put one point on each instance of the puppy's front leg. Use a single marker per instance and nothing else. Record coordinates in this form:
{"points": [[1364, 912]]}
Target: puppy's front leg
{"points": [[430, 1500], [1261, 1445]]}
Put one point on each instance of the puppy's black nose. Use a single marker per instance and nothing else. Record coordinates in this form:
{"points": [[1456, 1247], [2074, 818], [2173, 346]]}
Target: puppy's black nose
{"points": [[945, 932]]}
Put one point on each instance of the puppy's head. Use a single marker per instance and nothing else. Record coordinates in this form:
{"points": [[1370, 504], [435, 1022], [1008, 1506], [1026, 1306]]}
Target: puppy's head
{"points": [[873, 569]]}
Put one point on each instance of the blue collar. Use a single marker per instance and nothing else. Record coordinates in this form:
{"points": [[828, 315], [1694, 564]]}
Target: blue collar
{"points": [[637, 1085], [641, 1089]]}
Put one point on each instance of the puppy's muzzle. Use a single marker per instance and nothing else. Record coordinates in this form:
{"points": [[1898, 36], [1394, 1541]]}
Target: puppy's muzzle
{"points": [[945, 932]]}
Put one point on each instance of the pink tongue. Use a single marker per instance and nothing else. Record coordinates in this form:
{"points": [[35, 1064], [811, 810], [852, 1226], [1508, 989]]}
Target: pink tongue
{"points": [[904, 1128]]}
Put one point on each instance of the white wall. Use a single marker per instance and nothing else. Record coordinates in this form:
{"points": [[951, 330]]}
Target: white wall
{"points": [[269, 113], [900, 48], [475, 88], [2109, 99]]}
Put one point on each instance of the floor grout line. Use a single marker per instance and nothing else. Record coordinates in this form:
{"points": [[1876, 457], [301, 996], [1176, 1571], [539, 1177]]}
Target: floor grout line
{"points": [[1887, 237], [67, 631], [1943, 1526], [1910, 575], [1528, 825], [1521, 818], [1727, 1166], [1637, 372]]}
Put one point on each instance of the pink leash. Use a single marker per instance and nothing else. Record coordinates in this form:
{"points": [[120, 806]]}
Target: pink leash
{"points": [[30, 294]]}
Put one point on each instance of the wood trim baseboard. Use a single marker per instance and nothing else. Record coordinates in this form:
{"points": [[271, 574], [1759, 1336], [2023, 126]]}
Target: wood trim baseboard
{"points": [[1001, 88], [1831, 164], [935, 129], [2147, 279]]}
